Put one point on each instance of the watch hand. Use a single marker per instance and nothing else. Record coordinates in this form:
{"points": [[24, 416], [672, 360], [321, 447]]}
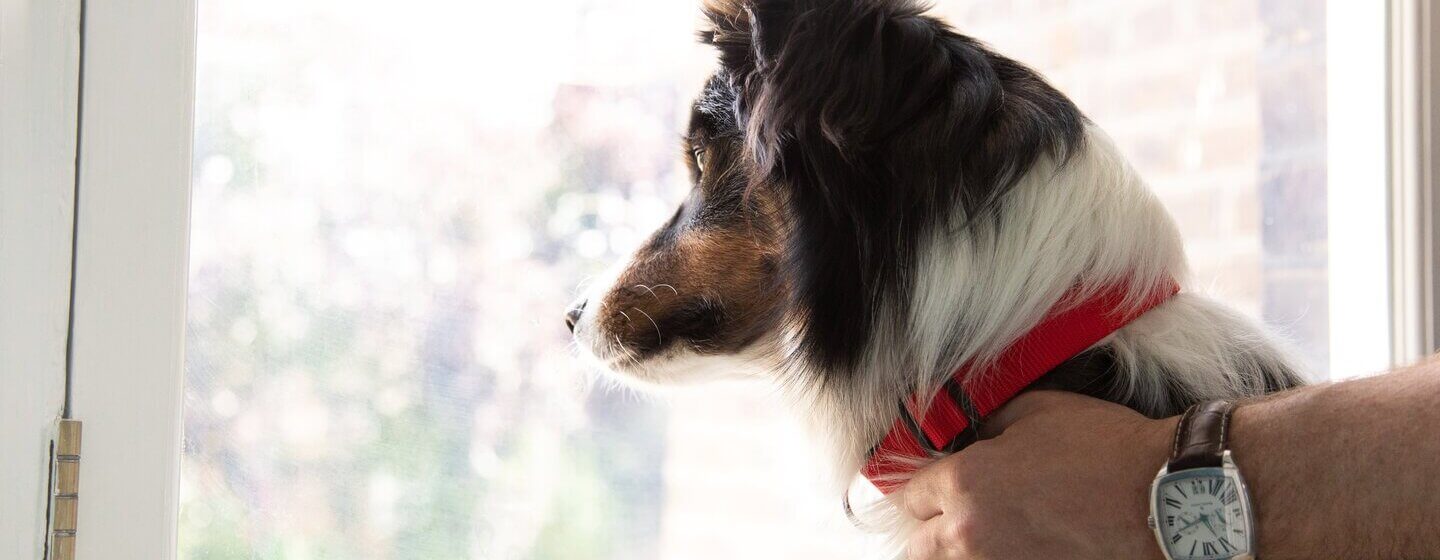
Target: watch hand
{"points": [[1192, 524], [1206, 519]]}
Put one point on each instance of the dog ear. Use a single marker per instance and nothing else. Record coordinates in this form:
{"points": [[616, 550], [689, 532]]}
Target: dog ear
{"points": [[878, 84], [847, 72], [748, 33], [728, 30]]}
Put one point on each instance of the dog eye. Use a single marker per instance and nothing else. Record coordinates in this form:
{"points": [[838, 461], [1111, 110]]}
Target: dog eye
{"points": [[699, 154]]}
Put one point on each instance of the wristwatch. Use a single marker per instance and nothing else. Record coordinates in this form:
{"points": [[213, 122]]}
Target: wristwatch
{"points": [[1199, 507]]}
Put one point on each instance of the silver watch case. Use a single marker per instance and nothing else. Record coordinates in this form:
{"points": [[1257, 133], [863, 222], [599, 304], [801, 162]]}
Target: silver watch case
{"points": [[1229, 471]]}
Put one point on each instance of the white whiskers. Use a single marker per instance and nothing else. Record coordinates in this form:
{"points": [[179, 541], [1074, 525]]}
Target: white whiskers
{"points": [[652, 321]]}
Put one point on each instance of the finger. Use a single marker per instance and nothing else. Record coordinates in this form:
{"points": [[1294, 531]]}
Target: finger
{"points": [[919, 500], [927, 541], [922, 494]]}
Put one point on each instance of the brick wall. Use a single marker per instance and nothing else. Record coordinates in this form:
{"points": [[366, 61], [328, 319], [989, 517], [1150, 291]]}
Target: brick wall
{"points": [[1221, 106]]}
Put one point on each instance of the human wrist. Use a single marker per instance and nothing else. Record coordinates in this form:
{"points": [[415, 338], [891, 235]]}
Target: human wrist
{"points": [[1199, 503], [1151, 442], [1154, 439], [1257, 428]]}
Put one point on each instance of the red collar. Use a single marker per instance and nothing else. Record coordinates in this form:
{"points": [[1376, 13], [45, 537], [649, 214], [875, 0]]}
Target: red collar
{"points": [[949, 424]]}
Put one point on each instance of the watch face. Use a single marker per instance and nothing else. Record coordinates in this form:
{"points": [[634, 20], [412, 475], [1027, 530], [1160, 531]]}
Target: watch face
{"points": [[1202, 514]]}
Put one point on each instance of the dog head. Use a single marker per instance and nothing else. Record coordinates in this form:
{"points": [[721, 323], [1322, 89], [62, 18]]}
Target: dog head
{"points": [[832, 143], [707, 286]]}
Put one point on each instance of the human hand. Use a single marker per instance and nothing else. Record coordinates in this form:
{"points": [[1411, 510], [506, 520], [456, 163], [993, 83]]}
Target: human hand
{"points": [[1060, 476]]}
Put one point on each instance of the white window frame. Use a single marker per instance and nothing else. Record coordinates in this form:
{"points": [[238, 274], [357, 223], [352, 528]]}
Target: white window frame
{"points": [[126, 309], [39, 61], [132, 223], [1382, 123], [132, 246], [1414, 170], [1358, 171]]}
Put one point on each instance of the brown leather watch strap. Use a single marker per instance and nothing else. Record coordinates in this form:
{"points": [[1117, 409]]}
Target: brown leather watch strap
{"points": [[1200, 437]]}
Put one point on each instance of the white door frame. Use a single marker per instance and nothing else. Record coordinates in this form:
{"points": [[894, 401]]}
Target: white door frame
{"points": [[39, 61], [130, 273]]}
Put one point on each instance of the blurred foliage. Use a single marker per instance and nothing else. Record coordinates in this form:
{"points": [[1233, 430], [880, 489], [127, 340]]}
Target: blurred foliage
{"points": [[383, 244]]}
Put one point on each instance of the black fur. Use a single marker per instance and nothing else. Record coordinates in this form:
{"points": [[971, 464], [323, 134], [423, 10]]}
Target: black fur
{"points": [[1097, 373], [880, 124]]}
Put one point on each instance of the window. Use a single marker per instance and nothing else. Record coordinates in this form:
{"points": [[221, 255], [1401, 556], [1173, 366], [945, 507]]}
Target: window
{"points": [[393, 206], [1221, 106]]}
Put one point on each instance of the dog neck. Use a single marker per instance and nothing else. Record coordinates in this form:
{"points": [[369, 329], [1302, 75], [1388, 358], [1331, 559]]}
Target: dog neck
{"points": [[1071, 233], [950, 420]]}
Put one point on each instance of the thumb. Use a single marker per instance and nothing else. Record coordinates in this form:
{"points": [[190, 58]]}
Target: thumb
{"points": [[1030, 403]]}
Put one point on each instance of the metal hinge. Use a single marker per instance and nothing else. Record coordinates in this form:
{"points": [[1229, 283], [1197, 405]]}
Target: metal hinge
{"points": [[64, 504]]}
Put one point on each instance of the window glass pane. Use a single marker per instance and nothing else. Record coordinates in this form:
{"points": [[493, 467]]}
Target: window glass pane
{"points": [[394, 203]]}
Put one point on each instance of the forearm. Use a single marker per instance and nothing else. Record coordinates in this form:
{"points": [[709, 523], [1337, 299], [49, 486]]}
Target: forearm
{"points": [[1346, 470]]}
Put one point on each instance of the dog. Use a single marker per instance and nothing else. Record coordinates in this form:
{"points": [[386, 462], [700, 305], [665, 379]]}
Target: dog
{"points": [[885, 211]]}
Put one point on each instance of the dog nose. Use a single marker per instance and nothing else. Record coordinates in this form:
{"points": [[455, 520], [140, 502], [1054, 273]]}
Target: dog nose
{"points": [[572, 315]]}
